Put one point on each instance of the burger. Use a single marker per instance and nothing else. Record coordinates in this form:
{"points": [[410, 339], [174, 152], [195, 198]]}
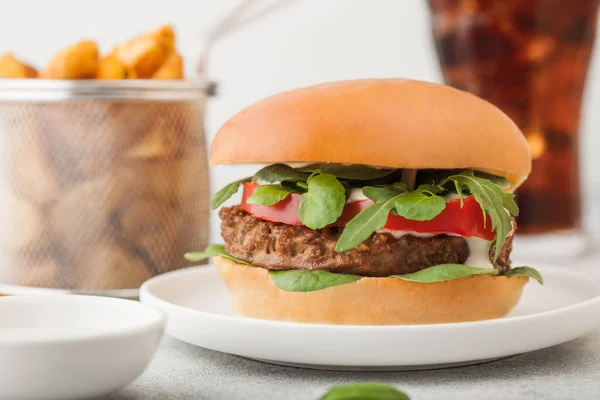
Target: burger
{"points": [[379, 202]]}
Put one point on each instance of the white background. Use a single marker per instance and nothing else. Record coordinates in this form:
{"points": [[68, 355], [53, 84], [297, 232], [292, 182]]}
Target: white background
{"points": [[300, 43]]}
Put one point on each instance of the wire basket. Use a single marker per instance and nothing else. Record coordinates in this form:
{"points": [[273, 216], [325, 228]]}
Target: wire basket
{"points": [[103, 184]]}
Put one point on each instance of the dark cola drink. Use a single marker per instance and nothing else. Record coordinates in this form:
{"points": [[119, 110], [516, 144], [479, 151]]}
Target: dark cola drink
{"points": [[530, 58]]}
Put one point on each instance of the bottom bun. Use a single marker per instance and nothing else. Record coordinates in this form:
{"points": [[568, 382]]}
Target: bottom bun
{"points": [[371, 301]]}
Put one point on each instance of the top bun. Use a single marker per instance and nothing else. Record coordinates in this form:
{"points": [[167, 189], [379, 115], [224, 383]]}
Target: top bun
{"points": [[394, 123]]}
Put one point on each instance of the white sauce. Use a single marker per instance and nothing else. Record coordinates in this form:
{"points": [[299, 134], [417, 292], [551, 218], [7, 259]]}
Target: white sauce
{"points": [[261, 182], [399, 234], [356, 195], [479, 248], [479, 253]]}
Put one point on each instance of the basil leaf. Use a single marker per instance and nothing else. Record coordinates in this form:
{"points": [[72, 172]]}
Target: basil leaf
{"points": [[350, 172], [491, 199], [222, 195], [364, 391], [418, 206], [278, 173], [508, 200], [211, 251], [526, 271], [444, 272], [323, 203], [364, 224], [309, 281], [267, 195], [378, 194]]}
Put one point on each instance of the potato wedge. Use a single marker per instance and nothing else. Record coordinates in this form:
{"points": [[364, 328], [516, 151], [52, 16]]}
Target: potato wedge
{"points": [[110, 67], [11, 67], [171, 69], [79, 61], [147, 53]]}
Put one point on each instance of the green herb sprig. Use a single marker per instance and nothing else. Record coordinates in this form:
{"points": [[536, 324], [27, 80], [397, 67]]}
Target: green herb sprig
{"points": [[492, 200]]}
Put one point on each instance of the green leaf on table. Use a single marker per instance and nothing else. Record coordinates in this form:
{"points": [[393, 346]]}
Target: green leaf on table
{"points": [[420, 205], [278, 173], [211, 251], [267, 195], [364, 224], [526, 271], [364, 391], [308, 281], [350, 172], [444, 272], [324, 201], [222, 195]]}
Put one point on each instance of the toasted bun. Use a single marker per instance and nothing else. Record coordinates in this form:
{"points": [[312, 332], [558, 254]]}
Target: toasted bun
{"points": [[393, 123], [371, 301]]}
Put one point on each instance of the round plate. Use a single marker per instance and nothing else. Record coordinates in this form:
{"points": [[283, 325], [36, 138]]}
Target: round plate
{"points": [[199, 312]]}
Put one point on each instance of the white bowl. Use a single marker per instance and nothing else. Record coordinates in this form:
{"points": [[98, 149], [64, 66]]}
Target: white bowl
{"points": [[73, 347]]}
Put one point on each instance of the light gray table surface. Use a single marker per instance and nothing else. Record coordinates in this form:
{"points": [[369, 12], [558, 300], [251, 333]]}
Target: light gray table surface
{"points": [[182, 371]]}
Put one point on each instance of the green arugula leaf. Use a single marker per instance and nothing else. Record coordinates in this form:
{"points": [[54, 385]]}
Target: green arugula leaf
{"points": [[497, 180], [432, 189], [267, 195], [526, 271], [379, 194], [364, 391], [508, 200], [299, 280], [444, 272], [350, 172], [222, 195], [278, 173], [323, 203], [419, 206], [211, 251], [491, 199], [364, 224]]}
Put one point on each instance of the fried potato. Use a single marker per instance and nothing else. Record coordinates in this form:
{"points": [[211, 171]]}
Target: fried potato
{"points": [[111, 68], [10, 67], [80, 217], [23, 225], [27, 171], [147, 53], [110, 266], [79, 61], [43, 273], [171, 69]]}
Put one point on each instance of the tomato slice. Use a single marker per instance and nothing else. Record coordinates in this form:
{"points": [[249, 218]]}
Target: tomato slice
{"points": [[465, 221]]}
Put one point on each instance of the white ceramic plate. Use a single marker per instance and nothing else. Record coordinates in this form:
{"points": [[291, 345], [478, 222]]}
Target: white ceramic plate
{"points": [[198, 307], [73, 347]]}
